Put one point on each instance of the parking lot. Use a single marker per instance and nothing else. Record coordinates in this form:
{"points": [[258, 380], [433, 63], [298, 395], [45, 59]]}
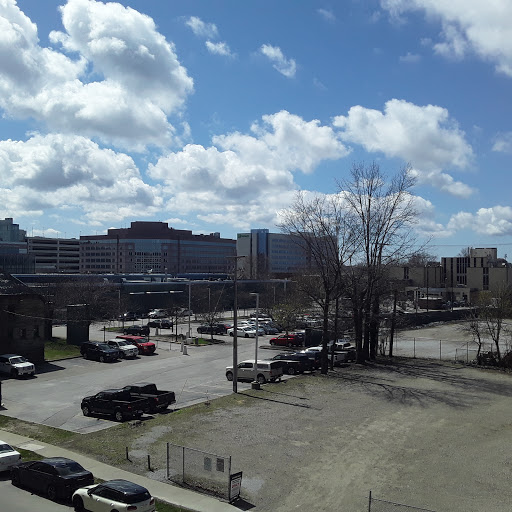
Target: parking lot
{"points": [[54, 395]]}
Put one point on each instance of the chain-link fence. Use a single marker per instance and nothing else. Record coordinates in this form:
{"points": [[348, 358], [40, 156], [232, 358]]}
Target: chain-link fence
{"points": [[199, 469], [376, 505]]}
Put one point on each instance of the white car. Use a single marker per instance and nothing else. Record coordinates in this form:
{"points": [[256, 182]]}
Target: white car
{"points": [[158, 313], [243, 332], [119, 495], [125, 349], [8, 456], [16, 366]]}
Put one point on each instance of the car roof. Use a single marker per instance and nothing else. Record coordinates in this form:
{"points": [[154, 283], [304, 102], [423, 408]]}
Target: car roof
{"points": [[10, 355], [57, 461], [124, 486]]}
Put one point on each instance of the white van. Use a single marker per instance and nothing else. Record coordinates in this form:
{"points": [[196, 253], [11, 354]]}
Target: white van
{"points": [[264, 371]]}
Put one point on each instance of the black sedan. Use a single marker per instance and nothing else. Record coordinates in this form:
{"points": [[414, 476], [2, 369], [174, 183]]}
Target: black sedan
{"points": [[56, 477]]}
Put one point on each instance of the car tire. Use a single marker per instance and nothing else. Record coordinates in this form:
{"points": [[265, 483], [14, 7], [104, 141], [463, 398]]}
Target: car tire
{"points": [[261, 379], [86, 411], [15, 478], [86, 355], [78, 504], [14, 373], [229, 376], [118, 415], [272, 342], [102, 359], [51, 492], [231, 334], [291, 370], [246, 335]]}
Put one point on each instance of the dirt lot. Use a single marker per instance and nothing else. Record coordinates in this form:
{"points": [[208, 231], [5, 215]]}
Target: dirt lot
{"points": [[423, 433]]}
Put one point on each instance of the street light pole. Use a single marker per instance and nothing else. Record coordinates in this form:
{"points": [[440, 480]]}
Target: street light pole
{"points": [[257, 329], [189, 306]]}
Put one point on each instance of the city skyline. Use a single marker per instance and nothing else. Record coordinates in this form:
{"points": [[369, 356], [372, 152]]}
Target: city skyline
{"points": [[210, 116]]}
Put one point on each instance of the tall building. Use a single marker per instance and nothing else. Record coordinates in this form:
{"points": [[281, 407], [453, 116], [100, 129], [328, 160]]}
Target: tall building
{"points": [[52, 255], [268, 254], [10, 232], [155, 247]]}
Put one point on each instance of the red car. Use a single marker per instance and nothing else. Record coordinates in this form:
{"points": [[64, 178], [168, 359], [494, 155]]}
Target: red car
{"points": [[293, 339], [145, 347]]}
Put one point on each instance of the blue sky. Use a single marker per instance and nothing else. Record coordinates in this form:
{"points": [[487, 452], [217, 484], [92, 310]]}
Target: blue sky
{"points": [[210, 115]]}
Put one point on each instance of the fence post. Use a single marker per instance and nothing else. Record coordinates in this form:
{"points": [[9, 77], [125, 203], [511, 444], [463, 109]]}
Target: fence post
{"points": [[370, 502], [183, 464], [127, 456]]}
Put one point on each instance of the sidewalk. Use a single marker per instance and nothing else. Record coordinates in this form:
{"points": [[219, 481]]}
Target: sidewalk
{"points": [[174, 495]]}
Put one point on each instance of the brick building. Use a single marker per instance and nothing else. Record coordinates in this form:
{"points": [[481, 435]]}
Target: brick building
{"points": [[155, 247]]}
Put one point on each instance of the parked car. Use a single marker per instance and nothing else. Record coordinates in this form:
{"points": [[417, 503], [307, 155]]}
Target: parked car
{"points": [[303, 363], [212, 329], [159, 399], [243, 332], [263, 372], [129, 316], [158, 313], [137, 330], [56, 477], [315, 357], [186, 312], [8, 456], [114, 402], [119, 495], [145, 346], [268, 328], [160, 323], [288, 340], [101, 352], [124, 348], [16, 366]]}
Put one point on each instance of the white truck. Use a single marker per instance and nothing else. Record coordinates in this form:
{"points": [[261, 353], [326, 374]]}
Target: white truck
{"points": [[16, 366], [125, 349]]}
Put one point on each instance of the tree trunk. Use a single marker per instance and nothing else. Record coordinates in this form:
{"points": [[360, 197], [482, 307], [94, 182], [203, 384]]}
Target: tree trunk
{"points": [[325, 337]]}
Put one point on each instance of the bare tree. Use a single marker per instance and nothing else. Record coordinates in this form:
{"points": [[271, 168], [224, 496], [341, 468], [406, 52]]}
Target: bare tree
{"points": [[493, 309], [319, 226], [382, 214]]}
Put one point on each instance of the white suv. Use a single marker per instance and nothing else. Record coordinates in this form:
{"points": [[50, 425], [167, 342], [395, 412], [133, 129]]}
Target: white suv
{"points": [[264, 371], [16, 366], [158, 313]]}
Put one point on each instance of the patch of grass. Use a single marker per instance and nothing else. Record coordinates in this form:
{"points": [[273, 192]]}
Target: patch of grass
{"points": [[28, 454], [58, 348], [43, 433]]}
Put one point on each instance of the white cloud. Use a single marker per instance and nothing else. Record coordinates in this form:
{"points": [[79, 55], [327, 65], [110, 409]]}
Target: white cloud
{"points": [[327, 15], [61, 172], [467, 25], [219, 49], [426, 225], [286, 67], [425, 137], [246, 179], [494, 221], [410, 58], [202, 29], [137, 77], [503, 142]]}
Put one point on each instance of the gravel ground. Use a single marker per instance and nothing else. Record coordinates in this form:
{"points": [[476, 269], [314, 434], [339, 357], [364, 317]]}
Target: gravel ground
{"points": [[425, 433]]}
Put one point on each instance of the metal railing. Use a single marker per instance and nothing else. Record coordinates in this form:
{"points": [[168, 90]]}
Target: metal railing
{"points": [[378, 505]]}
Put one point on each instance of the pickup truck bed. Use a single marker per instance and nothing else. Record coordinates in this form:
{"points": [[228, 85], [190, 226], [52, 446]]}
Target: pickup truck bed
{"points": [[158, 400]]}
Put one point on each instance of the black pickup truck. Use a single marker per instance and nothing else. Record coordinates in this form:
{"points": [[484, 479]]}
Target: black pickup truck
{"points": [[158, 400], [115, 402]]}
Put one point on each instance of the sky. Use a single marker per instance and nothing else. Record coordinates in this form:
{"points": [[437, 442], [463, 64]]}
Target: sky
{"points": [[211, 114]]}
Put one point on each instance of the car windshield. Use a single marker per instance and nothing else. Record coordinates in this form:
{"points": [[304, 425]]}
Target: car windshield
{"points": [[122, 343], [103, 346], [18, 359], [68, 468], [4, 448]]}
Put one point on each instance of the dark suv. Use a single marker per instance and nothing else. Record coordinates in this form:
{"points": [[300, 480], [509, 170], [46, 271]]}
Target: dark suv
{"points": [[98, 351], [303, 362], [215, 329], [137, 330]]}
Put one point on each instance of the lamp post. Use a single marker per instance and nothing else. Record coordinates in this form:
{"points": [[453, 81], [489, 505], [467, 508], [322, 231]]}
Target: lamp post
{"points": [[257, 329], [189, 306]]}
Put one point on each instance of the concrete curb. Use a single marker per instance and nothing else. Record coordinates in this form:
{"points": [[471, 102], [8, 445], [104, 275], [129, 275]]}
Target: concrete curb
{"points": [[184, 498]]}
